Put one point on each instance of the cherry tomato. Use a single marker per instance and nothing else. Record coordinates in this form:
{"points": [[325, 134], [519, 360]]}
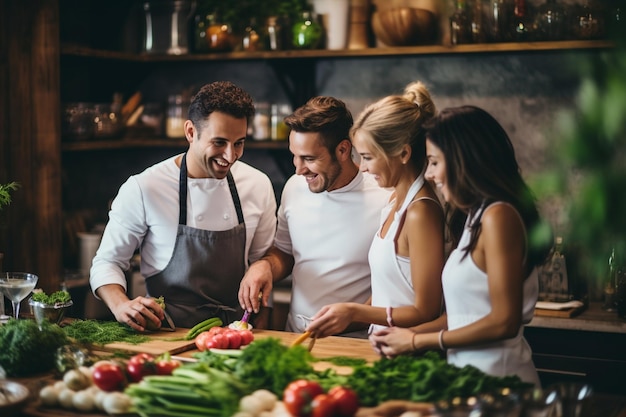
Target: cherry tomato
{"points": [[165, 365], [140, 365], [246, 337], [323, 405], [346, 401], [298, 396], [201, 341], [234, 339], [109, 377]]}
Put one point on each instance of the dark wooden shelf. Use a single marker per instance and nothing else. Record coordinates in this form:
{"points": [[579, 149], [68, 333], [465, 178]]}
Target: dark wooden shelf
{"points": [[153, 142], [73, 50]]}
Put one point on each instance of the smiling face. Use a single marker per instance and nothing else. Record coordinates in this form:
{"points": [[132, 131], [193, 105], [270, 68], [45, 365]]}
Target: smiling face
{"points": [[436, 169], [313, 161], [215, 145], [372, 160]]}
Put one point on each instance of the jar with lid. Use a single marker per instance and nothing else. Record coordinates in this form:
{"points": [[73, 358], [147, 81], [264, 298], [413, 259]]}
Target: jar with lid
{"points": [[107, 123], [177, 107]]}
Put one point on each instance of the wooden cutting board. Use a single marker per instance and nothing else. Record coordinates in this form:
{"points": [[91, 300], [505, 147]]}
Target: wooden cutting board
{"points": [[327, 347], [159, 343]]}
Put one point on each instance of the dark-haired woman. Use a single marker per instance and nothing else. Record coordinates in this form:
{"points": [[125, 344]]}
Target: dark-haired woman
{"points": [[490, 280]]}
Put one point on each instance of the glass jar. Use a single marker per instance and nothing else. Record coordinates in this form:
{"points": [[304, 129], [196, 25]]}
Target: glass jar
{"points": [[219, 37], [460, 24], [107, 123], [279, 130], [77, 123], [307, 32], [261, 122], [177, 108], [252, 38]]}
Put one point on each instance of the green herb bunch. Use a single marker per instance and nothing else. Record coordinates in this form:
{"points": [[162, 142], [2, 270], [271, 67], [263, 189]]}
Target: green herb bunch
{"points": [[422, 379], [57, 297], [26, 350], [5, 193]]}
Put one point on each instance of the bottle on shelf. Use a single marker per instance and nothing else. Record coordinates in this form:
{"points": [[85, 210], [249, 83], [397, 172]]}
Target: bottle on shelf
{"points": [[177, 107], [308, 32], [500, 20], [460, 24], [521, 26], [479, 34], [609, 284], [553, 280]]}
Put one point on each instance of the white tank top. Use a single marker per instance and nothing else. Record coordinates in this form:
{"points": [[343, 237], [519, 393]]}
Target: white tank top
{"points": [[391, 273], [466, 293]]}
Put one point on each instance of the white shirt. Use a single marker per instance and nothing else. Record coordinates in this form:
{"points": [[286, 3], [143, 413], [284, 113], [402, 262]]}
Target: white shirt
{"points": [[329, 235], [145, 214], [466, 293]]}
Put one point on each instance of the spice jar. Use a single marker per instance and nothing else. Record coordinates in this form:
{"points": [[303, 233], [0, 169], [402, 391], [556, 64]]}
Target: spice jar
{"points": [[177, 108]]}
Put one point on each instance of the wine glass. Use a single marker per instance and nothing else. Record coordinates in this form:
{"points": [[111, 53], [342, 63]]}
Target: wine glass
{"points": [[16, 286]]}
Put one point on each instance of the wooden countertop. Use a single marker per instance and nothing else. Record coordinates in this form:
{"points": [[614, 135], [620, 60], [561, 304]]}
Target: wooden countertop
{"points": [[593, 319]]}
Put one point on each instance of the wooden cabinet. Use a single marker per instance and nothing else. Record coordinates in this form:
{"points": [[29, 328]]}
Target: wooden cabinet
{"points": [[90, 63]]}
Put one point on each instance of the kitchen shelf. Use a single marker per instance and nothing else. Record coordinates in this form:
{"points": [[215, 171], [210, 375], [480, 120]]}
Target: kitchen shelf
{"points": [[129, 143], [80, 51]]}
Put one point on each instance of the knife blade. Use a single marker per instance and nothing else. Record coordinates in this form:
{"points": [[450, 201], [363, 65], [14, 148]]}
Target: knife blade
{"points": [[170, 323]]}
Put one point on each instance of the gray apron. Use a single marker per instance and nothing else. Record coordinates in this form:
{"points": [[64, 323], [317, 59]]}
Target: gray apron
{"points": [[202, 278]]}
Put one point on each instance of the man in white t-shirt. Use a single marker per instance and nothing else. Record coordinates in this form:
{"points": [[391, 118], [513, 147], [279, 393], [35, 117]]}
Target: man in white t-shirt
{"points": [[328, 215]]}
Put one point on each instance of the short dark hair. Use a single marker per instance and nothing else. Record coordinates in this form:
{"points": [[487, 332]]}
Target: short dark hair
{"points": [[327, 115], [221, 96]]}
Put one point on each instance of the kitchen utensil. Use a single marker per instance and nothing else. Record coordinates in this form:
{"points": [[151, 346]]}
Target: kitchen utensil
{"points": [[170, 323]]}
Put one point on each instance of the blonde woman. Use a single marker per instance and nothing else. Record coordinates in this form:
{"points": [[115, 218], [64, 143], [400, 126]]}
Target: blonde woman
{"points": [[407, 254]]}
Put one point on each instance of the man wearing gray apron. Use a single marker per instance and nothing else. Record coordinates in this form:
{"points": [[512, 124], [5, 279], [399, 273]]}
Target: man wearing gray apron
{"points": [[197, 283], [196, 231]]}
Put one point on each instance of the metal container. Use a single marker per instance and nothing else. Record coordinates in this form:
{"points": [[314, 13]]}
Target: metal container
{"points": [[166, 26]]}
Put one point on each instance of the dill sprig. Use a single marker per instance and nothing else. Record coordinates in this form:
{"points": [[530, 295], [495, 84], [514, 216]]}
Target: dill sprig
{"points": [[99, 332]]}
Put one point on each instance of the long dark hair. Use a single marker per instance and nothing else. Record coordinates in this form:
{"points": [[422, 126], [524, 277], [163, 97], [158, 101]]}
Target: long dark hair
{"points": [[481, 168]]}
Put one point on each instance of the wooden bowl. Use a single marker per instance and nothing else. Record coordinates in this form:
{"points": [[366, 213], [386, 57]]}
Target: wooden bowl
{"points": [[404, 26]]}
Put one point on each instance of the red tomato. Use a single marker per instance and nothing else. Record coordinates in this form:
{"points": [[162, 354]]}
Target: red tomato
{"points": [[220, 340], [298, 396], [165, 365], [201, 341], [346, 401], [136, 371], [217, 330], [234, 339], [141, 358], [109, 377], [323, 405], [246, 337]]}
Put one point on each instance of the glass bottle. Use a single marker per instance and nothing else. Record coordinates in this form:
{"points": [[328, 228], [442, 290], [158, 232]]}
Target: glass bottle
{"points": [[550, 24], [278, 128], [521, 22], [500, 16], [460, 24], [273, 34], [609, 285], [478, 27], [553, 281], [252, 38], [307, 32]]}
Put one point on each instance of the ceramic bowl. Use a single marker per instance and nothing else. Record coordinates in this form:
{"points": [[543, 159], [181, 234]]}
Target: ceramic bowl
{"points": [[13, 398], [404, 26], [54, 313]]}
